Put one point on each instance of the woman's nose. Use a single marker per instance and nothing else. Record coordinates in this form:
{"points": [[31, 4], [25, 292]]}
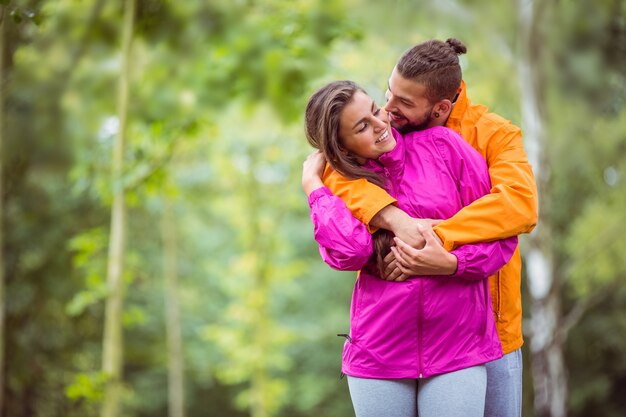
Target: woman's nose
{"points": [[382, 119]]}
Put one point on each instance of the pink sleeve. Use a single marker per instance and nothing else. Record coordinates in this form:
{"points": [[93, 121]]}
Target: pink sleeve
{"points": [[476, 260], [480, 260], [344, 242]]}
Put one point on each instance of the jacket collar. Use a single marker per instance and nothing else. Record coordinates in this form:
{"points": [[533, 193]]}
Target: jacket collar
{"points": [[392, 161], [458, 111]]}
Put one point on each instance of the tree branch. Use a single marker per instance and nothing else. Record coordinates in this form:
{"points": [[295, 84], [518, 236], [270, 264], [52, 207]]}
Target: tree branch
{"points": [[79, 51], [580, 308], [157, 163]]}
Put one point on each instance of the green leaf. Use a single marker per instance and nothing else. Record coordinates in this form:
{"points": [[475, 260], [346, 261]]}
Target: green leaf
{"points": [[17, 16]]}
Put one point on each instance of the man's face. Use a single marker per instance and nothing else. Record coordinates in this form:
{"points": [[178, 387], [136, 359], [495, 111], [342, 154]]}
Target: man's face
{"points": [[409, 109]]}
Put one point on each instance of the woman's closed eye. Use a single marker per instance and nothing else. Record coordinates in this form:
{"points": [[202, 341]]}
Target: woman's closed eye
{"points": [[365, 125]]}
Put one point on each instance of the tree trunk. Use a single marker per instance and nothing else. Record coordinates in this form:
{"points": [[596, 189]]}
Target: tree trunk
{"points": [[172, 312], [259, 377], [2, 296], [112, 340], [546, 351]]}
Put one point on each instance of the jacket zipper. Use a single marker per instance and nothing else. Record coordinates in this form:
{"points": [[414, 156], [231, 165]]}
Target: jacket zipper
{"points": [[498, 298], [419, 328]]}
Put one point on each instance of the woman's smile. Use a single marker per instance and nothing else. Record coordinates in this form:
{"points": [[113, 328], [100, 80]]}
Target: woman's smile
{"points": [[383, 137]]}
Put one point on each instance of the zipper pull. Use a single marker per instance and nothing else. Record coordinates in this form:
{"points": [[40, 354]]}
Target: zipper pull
{"points": [[347, 336]]}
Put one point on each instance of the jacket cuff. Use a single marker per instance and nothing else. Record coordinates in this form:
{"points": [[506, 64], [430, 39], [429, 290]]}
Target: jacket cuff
{"points": [[461, 263], [317, 194]]}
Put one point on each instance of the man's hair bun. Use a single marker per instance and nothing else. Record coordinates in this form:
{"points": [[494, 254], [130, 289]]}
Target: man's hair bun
{"points": [[457, 46]]}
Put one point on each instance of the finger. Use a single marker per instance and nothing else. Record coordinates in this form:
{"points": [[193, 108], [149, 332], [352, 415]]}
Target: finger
{"points": [[389, 263], [406, 273], [402, 277], [407, 252], [391, 271], [401, 244], [400, 259], [437, 239], [428, 234], [395, 274]]}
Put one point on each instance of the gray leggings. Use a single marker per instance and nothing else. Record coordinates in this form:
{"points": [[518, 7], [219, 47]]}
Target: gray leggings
{"points": [[460, 393]]}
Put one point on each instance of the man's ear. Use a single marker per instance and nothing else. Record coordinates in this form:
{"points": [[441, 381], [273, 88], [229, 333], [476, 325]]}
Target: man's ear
{"points": [[443, 107]]}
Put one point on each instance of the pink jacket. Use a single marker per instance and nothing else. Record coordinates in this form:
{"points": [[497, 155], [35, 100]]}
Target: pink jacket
{"points": [[427, 325]]}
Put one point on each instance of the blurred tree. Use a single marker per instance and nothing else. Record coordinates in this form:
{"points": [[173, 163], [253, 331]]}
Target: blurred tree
{"points": [[38, 273], [176, 399], [575, 260], [589, 126], [224, 84], [113, 344], [2, 291], [548, 367], [254, 196]]}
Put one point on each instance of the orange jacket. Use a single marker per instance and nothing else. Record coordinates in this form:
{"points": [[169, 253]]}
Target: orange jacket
{"points": [[509, 210]]}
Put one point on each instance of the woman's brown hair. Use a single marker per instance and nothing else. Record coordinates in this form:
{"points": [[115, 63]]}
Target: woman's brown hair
{"points": [[321, 126]]}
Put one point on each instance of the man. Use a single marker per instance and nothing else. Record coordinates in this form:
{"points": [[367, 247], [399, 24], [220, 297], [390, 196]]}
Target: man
{"points": [[425, 90]]}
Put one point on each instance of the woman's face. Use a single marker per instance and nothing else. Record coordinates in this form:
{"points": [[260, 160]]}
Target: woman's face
{"points": [[364, 128]]}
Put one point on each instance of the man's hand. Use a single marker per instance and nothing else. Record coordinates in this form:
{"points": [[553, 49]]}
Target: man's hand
{"points": [[402, 225], [312, 170], [432, 259]]}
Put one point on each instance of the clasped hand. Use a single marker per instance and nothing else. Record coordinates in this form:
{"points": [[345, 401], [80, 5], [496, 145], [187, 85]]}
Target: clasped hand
{"points": [[405, 261]]}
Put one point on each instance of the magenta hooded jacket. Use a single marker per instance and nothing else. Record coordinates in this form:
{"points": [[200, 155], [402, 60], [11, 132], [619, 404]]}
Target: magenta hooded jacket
{"points": [[426, 325]]}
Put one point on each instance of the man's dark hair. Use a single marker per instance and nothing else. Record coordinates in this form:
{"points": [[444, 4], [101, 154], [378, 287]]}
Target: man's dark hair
{"points": [[436, 65]]}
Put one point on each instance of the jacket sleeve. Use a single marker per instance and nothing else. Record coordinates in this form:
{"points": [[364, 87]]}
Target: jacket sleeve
{"points": [[475, 260], [344, 242], [361, 197], [510, 208], [480, 260]]}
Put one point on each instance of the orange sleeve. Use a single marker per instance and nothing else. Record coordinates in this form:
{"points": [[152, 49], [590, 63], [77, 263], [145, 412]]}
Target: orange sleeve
{"points": [[362, 198], [511, 206]]}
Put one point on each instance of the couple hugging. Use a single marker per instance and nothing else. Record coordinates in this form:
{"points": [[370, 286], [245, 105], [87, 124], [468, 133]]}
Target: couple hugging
{"points": [[425, 197]]}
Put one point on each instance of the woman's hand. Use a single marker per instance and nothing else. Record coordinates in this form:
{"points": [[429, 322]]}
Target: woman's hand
{"points": [[432, 259], [407, 230], [312, 170]]}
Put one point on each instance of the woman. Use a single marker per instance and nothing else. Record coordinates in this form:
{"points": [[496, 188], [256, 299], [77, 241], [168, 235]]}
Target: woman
{"points": [[417, 345]]}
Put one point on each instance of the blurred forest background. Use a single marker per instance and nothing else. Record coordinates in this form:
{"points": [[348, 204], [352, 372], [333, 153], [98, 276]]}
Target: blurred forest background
{"points": [[157, 256]]}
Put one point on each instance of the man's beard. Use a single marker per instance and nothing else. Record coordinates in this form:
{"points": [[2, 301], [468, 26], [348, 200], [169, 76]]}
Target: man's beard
{"points": [[415, 127]]}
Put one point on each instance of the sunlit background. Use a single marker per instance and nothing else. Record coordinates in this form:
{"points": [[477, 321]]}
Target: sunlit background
{"points": [[227, 309]]}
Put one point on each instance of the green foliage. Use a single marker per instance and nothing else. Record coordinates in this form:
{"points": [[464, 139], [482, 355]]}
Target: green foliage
{"points": [[598, 349], [87, 386], [217, 94], [587, 148], [275, 49], [592, 213], [89, 250]]}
